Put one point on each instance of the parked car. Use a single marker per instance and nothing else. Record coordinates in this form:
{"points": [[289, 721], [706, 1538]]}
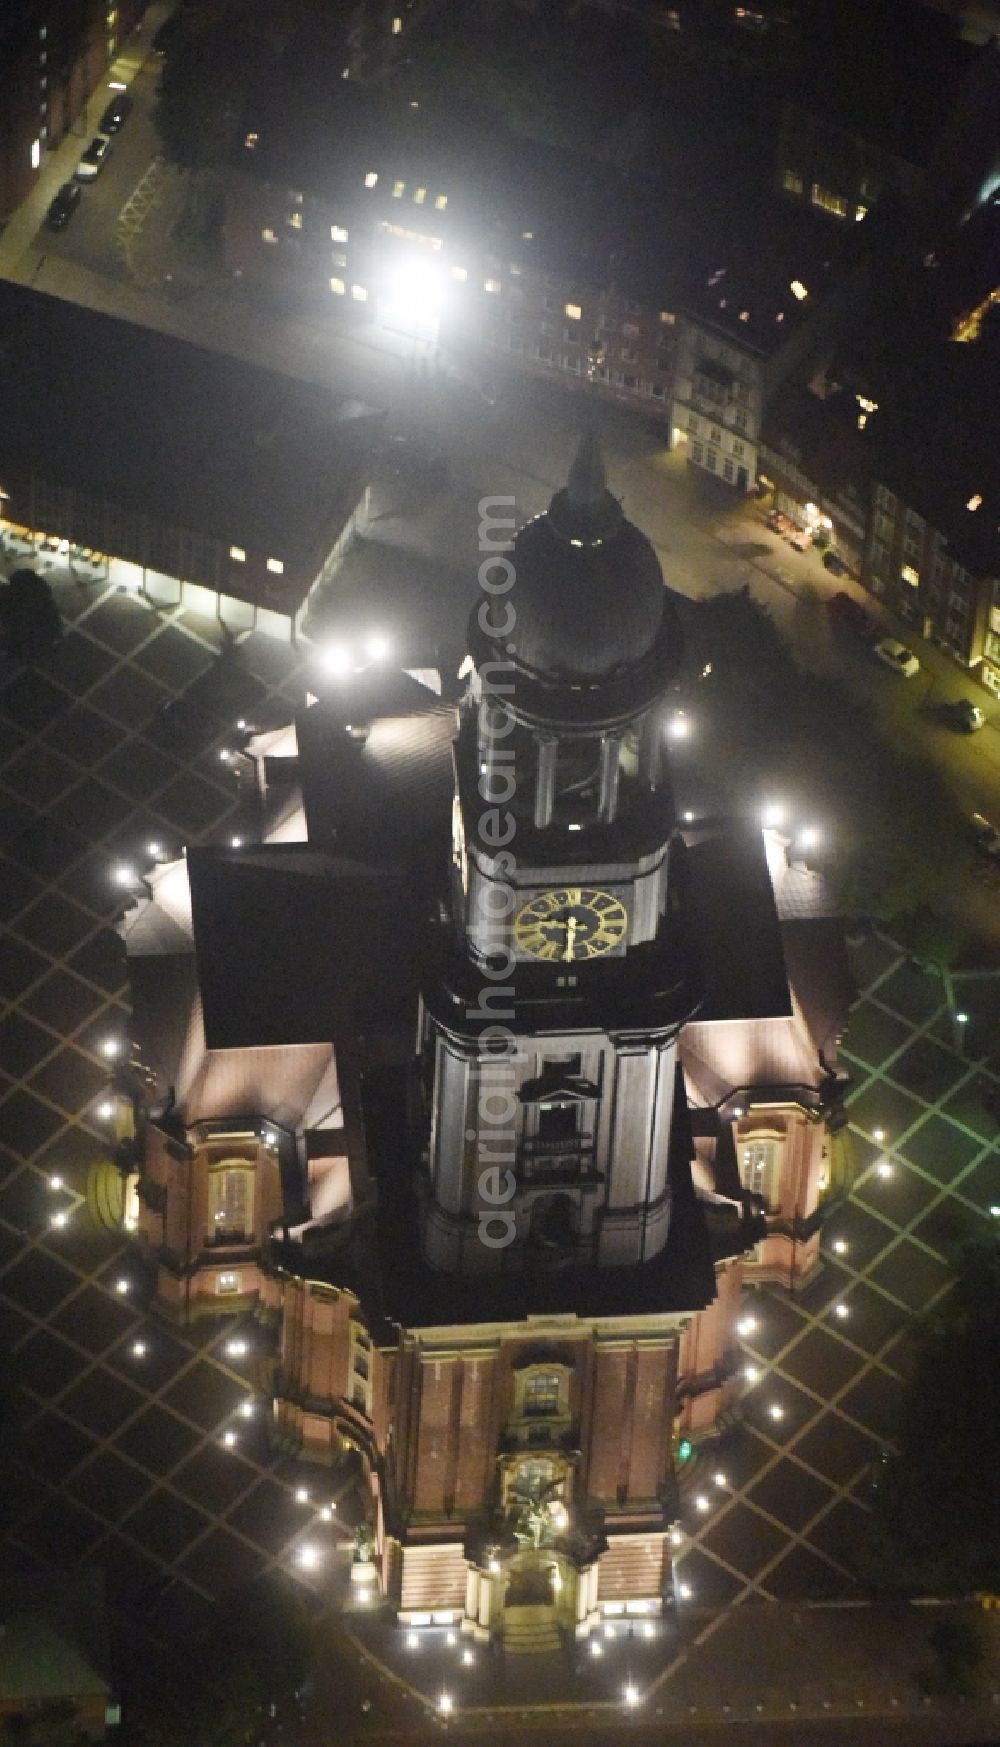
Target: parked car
{"points": [[897, 656], [848, 614], [93, 158], [985, 838], [116, 114], [964, 716], [62, 208], [835, 564]]}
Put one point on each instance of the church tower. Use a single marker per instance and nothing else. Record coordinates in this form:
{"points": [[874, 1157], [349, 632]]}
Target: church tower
{"points": [[562, 979]]}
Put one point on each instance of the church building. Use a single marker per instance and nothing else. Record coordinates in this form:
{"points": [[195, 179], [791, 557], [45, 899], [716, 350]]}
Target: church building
{"points": [[492, 1081]]}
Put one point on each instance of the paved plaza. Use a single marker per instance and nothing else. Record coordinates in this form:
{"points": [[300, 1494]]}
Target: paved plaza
{"points": [[145, 1447]]}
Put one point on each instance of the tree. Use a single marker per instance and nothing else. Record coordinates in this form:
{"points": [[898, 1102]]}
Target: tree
{"points": [[773, 729], [202, 108], [260, 1653], [958, 1653], [53, 1724], [937, 1503], [30, 621]]}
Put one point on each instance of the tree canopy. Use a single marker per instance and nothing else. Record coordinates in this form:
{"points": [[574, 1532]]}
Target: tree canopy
{"points": [[775, 730], [261, 1652], [30, 621], [937, 1502]]}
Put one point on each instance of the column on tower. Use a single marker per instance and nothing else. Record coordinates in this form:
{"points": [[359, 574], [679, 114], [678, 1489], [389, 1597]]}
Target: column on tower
{"points": [[607, 805], [545, 780]]}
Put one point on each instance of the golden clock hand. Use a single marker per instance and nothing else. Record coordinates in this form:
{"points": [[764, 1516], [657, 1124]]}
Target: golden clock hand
{"points": [[570, 937]]}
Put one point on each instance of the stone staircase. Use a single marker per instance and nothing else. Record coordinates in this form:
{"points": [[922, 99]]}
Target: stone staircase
{"points": [[530, 1629]]}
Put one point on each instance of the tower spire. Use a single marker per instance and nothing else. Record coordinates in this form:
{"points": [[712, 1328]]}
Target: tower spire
{"points": [[584, 512], [587, 481]]}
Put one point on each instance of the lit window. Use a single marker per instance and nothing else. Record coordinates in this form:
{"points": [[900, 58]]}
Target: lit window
{"points": [[573, 310], [359, 294], [760, 1162], [227, 1282], [397, 25], [275, 566], [440, 201], [491, 285], [860, 212], [296, 199], [237, 554], [398, 190], [791, 182], [295, 220], [460, 273], [975, 501], [36, 153], [667, 317], [269, 236], [340, 257], [419, 196], [371, 179], [541, 1393], [828, 201], [910, 575], [230, 1203], [250, 143], [798, 290], [338, 234], [338, 287]]}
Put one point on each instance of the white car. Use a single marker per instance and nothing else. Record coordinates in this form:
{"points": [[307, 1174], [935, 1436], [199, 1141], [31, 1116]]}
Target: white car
{"points": [[93, 158], [898, 657]]}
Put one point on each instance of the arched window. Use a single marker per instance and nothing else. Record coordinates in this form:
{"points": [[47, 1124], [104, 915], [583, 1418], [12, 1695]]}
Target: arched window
{"points": [[760, 1168], [541, 1394], [230, 1202]]}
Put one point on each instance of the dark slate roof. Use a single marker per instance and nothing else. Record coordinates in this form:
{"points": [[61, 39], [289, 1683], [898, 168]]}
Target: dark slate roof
{"points": [[588, 592], [820, 974], [168, 430], [935, 438], [888, 70], [293, 946], [820, 434], [163, 990], [375, 760], [735, 923]]}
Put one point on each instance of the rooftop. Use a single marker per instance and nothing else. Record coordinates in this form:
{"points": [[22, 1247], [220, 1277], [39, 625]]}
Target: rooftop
{"points": [[889, 70], [173, 432], [534, 204]]}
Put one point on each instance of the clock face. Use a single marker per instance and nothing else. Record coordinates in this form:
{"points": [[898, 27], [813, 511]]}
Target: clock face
{"points": [[573, 923]]}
